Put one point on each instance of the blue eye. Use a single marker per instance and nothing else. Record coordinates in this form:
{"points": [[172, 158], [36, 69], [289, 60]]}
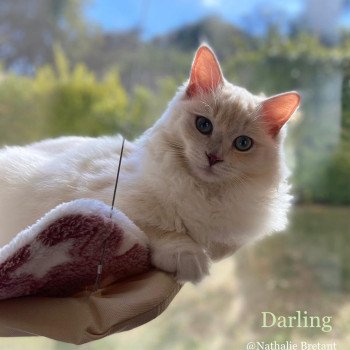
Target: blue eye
{"points": [[243, 143], [204, 125]]}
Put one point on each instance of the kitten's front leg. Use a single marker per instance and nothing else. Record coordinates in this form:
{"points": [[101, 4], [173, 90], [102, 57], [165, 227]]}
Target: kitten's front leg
{"points": [[179, 254]]}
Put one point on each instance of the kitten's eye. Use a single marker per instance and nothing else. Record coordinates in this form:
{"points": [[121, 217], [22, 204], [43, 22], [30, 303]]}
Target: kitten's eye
{"points": [[243, 143], [204, 125]]}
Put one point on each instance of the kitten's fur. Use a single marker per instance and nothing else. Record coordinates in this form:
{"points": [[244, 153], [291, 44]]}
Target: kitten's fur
{"points": [[190, 211]]}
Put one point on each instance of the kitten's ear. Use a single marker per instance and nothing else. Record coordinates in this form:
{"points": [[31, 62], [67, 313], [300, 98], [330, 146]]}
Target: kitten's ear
{"points": [[277, 109], [205, 72]]}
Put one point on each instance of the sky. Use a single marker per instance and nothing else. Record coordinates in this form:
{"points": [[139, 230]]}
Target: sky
{"points": [[157, 17]]}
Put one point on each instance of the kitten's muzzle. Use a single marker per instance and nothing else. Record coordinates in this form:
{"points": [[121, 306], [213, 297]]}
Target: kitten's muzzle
{"points": [[213, 159]]}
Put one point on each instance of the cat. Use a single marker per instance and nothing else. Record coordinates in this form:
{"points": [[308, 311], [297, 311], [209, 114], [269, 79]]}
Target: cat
{"points": [[205, 179]]}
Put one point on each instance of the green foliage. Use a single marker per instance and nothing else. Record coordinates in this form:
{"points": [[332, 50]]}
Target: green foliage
{"points": [[345, 124], [323, 176], [335, 189], [337, 177], [17, 111], [29, 28], [138, 110], [58, 101], [78, 103]]}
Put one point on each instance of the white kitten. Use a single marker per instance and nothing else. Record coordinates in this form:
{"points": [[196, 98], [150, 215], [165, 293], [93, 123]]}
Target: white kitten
{"points": [[208, 177]]}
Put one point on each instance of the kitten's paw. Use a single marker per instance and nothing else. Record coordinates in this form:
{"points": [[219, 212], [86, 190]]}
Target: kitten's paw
{"points": [[192, 267], [188, 262]]}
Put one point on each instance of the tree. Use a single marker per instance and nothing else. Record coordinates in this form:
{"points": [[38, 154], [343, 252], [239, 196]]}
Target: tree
{"points": [[337, 177], [29, 29]]}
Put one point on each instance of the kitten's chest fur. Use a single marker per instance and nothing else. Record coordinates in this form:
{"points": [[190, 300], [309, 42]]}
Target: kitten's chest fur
{"points": [[161, 194], [176, 205]]}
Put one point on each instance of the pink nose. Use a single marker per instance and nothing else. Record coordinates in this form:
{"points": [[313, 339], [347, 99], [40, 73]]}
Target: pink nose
{"points": [[213, 159]]}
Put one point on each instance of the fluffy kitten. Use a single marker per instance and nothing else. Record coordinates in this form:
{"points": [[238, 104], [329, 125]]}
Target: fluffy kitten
{"points": [[208, 177]]}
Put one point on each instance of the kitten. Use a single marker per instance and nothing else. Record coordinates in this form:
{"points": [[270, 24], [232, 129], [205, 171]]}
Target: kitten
{"points": [[206, 178]]}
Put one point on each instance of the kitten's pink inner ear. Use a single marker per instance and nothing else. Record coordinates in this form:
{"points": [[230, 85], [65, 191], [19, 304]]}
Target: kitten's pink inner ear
{"points": [[278, 109], [205, 73]]}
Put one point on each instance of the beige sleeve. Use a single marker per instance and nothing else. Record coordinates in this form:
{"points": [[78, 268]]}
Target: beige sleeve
{"points": [[86, 317]]}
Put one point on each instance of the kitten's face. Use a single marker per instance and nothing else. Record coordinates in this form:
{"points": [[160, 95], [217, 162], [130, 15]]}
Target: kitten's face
{"points": [[230, 132], [225, 132]]}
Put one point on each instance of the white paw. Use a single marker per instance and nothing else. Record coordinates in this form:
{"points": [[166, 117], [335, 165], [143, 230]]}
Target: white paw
{"points": [[192, 267], [187, 261]]}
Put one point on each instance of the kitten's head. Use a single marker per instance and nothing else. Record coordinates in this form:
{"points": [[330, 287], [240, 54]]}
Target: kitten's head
{"points": [[224, 132]]}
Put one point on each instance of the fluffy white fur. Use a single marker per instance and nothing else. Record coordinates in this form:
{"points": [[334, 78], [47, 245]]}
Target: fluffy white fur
{"points": [[192, 213]]}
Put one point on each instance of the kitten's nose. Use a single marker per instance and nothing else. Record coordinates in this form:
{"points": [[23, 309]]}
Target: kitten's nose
{"points": [[213, 159]]}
